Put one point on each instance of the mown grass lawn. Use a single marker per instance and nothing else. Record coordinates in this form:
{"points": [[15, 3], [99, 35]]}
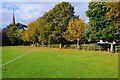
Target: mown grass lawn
{"points": [[58, 63]]}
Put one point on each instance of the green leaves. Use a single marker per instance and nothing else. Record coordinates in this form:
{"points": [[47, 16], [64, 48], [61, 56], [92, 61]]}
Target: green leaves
{"points": [[59, 17], [12, 34], [99, 26], [42, 29], [114, 13]]}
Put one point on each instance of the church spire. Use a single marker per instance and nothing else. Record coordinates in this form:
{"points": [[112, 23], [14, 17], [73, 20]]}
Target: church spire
{"points": [[13, 20]]}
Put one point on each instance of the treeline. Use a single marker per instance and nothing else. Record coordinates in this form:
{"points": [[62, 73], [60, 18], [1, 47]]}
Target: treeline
{"points": [[58, 26], [61, 26], [12, 34]]}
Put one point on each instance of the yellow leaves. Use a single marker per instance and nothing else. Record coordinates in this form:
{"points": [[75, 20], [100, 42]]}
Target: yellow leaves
{"points": [[31, 24], [113, 9], [30, 34], [114, 12], [75, 29], [12, 31]]}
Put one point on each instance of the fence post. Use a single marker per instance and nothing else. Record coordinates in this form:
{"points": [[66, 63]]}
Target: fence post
{"points": [[99, 48], [94, 48]]}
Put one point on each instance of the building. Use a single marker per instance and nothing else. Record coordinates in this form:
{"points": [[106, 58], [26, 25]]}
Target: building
{"points": [[13, 20]]}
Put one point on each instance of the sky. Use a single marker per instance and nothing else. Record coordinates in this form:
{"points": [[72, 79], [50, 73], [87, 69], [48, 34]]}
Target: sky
{"points": [[26, 12]]}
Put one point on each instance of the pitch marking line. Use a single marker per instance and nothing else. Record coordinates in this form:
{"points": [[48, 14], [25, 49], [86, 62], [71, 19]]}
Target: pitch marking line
{"points": [[17, 58]]}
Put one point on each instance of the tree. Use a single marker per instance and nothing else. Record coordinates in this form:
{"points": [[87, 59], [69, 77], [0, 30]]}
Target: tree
{"points": [[114, 13], [5, 39], [26, 36], [99, 27], [58, 19], [75, 30], [30, 34], [42, 30], [19, 35], [19, 31], [12, 34]]}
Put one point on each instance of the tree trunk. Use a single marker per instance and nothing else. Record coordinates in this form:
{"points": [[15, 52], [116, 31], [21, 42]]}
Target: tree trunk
{"points": [[60, 45], [23, 43], [49, 45], [111, 48], [78, 45], [12, 43], [19, 42], [33, 43], [42, 44]]}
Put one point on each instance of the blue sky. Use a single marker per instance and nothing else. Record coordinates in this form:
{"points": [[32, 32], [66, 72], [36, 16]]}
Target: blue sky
{"points": [[26, 12]]}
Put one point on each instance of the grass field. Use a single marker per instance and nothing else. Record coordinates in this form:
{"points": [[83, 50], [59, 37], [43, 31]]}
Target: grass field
{"points": [[57, 63]]}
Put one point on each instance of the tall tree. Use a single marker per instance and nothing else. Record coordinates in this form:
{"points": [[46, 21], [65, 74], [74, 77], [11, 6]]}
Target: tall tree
{"points": [[114, 12], [26, 36], [99, 26], [30, 34], [42, 30], [12, 34], [58, 19], [20, 29], [75, 30]]}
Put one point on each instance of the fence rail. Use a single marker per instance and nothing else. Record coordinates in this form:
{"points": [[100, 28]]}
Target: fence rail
{"points": [[92, 48], [95, 48], [84, 47], [99, 48], [117, 48]]}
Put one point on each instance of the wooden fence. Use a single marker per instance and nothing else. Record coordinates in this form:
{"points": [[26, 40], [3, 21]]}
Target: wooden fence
{"points": [[99, 48], [95, 48], [117, 49], [92, 48]]}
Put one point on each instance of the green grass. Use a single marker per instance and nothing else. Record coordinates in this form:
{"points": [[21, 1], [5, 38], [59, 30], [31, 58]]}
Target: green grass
{"points": [[58, 63]]}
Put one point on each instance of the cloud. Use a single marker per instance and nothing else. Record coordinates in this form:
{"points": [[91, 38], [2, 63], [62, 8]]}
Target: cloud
{"points": [[11, 6], [46, 0], [30, 11], [24, 12], [60, 0]]}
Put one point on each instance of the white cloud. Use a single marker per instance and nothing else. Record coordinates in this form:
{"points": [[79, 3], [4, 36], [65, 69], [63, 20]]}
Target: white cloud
{"points": [[30, 11], [60, 0], [46, 0], [24, 12]]}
